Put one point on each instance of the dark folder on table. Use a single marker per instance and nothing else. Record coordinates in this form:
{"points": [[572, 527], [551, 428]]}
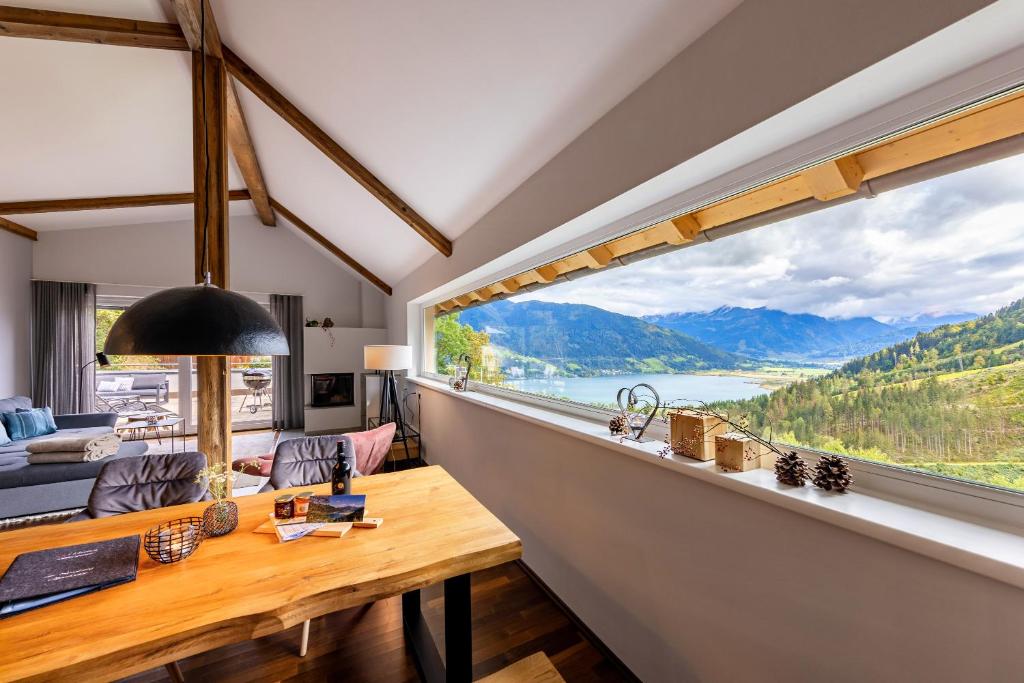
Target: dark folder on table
{"points": [[44, 577]]}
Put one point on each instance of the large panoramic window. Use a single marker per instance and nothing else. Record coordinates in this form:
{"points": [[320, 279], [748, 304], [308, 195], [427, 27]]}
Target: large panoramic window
{"points": [[890, 329]]}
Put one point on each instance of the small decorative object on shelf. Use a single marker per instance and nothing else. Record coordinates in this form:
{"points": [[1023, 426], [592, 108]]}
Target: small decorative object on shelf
{"points": [[460, 382], [327, 323], [692, 434], [832, 474], [341, 475], [222, 517], [312, 323], [618, 425], [641, 407], [791, 469], [175, 540], [737, 452]]}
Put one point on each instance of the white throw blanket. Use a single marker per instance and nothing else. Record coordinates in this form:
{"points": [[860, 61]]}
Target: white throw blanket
{"points": [[73, 448]]}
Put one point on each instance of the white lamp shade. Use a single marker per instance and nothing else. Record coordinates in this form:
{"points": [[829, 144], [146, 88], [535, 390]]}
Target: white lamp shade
{"points": [[387, 357]]}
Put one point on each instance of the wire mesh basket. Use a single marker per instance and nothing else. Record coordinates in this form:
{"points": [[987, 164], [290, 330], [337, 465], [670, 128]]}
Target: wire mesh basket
{"points": [[175, 540]]}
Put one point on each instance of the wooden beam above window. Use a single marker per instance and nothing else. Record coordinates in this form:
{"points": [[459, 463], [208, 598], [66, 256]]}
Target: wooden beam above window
{"points": [[973, 127], [120, 202], [833, 179], [18, 229], [597, 257]]}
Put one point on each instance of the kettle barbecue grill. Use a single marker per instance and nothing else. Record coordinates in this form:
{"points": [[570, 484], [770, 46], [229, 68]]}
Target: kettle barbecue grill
{"points": [[258, 383]]}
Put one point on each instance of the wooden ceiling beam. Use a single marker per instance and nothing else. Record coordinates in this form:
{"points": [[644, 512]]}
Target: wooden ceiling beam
{"points": [[121, 202], [330, 246], [335, 152], [191, 20], [18, 229], [18, 22]]}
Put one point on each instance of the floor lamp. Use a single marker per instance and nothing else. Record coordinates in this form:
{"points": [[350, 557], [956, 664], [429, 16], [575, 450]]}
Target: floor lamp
{"points": [[387, 358], [101, 358]]}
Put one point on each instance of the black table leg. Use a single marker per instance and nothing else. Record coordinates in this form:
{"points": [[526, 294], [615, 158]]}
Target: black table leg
{"points": [[458, 634], [458, 629]]}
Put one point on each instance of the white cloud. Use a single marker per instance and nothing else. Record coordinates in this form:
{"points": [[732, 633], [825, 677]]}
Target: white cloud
{"points": [[952, 244]]}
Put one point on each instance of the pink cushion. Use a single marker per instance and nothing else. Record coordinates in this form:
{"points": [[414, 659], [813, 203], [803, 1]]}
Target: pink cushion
{"points": [[372, 447], [250, 465]]}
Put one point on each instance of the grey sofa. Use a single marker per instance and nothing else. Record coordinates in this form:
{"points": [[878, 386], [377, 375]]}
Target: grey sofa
{"points": [[34, 489], [144, 385]]}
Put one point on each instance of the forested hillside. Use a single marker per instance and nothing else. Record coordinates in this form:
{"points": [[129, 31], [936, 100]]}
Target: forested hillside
{"points": [[949, 401], [585, 340]]}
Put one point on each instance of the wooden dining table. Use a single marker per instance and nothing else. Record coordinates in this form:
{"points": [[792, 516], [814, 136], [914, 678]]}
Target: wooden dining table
{"points": [[247, 585]]}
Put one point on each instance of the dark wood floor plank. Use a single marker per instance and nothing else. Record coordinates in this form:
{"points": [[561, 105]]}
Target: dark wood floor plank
{"points": [[512, 619]]}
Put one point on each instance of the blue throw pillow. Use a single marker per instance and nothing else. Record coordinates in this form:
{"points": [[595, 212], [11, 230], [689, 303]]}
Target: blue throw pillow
{"points": [[30, 423], [4, 439]]}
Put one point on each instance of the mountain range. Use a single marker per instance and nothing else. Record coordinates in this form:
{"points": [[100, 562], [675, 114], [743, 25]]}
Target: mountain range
{"points": [[764, 333], [582, 340]]}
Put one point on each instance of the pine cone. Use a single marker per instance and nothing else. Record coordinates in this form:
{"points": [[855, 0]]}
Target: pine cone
{"points": [[618, 425], [832, 474], [791, 469]]}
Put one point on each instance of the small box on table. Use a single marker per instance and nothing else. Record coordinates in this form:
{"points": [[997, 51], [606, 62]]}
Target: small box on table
{"points": [[693, 434], [736, 452]]}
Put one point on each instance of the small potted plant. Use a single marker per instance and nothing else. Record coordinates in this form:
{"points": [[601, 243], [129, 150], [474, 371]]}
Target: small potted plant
{"points": [[222, 517]]}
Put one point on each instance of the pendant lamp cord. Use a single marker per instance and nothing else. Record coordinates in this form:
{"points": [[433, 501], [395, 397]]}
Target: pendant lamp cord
{"points": [[206, 146]]}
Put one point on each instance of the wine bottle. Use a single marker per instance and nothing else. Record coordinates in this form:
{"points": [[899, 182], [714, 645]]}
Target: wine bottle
{"points": [[341, 475]]}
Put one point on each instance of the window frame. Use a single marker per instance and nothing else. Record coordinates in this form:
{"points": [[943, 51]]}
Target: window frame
{"points": [[992, 505]]}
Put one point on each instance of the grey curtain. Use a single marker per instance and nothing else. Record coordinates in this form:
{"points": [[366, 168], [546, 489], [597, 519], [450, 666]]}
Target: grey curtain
{"points": [[287, 382], [63, 341]]}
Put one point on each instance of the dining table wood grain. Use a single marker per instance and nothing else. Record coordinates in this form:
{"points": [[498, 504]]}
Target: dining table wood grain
{"points": [[247, 585]]}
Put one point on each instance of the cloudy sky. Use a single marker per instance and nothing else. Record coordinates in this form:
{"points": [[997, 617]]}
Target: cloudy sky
{"points": [[951, 245]]}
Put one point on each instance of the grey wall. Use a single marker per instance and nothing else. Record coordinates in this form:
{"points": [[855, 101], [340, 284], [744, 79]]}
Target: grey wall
{"points": [[686, 581], [15, 309], [764, 57], [268, 260]]}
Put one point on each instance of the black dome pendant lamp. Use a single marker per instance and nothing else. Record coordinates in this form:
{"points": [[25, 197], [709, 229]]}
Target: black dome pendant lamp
{"points": [[201, 320]]}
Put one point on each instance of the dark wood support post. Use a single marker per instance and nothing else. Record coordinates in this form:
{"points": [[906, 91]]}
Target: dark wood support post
{"points": [[210, 153]]}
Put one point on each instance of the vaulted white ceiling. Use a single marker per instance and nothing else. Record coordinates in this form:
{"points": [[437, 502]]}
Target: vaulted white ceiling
{"points": [[451, 104]]}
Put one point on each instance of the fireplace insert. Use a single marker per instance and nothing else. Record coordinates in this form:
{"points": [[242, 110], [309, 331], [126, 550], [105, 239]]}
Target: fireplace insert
{"points": [[332, 389]]}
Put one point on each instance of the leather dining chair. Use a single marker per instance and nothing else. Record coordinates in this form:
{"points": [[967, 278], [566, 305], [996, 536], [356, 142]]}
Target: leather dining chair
{"points": [[308, 460], [145, 483]]}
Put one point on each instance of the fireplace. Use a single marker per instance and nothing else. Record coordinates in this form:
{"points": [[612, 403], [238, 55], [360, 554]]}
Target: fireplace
{"points": [[332, 389]]}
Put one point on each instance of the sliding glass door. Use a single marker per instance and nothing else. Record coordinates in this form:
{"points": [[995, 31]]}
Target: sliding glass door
{"points": [[167, 384]]}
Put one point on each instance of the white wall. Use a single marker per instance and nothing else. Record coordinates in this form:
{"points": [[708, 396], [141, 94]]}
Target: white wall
{"points": [[686, 581], [763, 58], [15, 313], [267, 260]]}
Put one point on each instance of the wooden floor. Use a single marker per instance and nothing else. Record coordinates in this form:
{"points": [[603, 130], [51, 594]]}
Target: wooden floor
{"points": [[512, 618]]}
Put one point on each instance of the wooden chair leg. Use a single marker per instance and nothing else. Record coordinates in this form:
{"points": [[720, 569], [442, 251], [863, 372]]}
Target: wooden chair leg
{"points": [[304, 643], [174, 671]]}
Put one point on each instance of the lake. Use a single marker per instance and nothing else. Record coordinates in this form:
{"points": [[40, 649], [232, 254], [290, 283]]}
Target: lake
{"points": [[670, 387]]}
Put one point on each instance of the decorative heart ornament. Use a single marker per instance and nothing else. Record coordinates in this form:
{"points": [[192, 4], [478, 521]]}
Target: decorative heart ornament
{"points": [[637, 396]]}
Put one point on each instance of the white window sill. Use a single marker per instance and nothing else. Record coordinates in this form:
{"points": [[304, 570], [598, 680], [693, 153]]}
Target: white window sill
{"points": [[978, 548]]}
